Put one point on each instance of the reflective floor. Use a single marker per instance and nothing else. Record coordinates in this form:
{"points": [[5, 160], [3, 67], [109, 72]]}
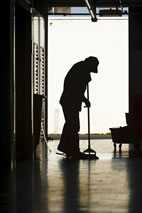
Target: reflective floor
{"points": [[53, 184]]}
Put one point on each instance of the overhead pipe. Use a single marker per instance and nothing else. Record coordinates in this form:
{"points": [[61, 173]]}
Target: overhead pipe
{"points": [[92, 9]]}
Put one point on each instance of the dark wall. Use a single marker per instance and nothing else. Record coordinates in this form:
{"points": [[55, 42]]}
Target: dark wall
{"points": [[5, 70], [135, 57], [24, 146], [41, 6], [25, 3]]}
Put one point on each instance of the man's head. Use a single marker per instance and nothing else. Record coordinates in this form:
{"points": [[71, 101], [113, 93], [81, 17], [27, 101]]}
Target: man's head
{"points": [[92, 64]]}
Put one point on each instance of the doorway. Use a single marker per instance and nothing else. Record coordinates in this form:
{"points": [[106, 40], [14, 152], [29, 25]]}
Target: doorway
{"points": [[73, 39]]}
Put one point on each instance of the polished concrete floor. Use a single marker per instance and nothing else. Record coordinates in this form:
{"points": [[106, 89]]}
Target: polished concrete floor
{"points": [[52, 184]]}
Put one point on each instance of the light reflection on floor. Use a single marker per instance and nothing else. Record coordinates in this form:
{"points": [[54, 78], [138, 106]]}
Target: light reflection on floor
{"points": [[103, 147], [53, 184]]}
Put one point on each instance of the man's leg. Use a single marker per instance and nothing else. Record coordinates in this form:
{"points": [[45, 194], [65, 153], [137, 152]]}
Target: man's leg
{"points": [[69, 142]]}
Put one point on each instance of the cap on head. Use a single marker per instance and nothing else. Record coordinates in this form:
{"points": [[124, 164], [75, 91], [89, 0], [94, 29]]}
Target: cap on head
{"points": [[92, 63]]}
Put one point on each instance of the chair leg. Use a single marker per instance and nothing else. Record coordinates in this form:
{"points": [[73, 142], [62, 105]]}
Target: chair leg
{"points": [[114, 144], [120, 146]]}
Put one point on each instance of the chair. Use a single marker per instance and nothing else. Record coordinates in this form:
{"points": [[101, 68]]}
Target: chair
{"points": [[130, 134]]}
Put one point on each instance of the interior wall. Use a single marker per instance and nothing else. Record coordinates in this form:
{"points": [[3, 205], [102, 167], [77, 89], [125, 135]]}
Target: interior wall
{"points": [[5, 78], [23, 48], [135, 57]]}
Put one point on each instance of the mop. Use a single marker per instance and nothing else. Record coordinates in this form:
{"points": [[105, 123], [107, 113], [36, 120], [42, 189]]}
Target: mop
{"points": [[90, 153]]}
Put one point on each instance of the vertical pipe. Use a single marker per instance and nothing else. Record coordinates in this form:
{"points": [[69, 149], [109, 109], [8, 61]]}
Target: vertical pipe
{"points": [[46, 74], [13, 87], [39, 59], [32, 73]]}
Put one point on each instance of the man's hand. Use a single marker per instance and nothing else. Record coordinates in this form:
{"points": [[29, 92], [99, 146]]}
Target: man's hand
{"points": [[87, 103]]}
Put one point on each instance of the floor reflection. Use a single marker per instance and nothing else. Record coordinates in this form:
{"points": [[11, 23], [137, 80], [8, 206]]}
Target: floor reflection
{"points": [[135, 186], [24, 184], [70, 171], [53, 184]]}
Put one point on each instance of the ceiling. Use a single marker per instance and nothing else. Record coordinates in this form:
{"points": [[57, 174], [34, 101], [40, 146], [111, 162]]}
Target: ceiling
{"points": [[43, 5], [98, 3]]}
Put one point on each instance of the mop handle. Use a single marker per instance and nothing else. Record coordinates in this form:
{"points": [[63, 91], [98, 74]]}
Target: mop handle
{"points": [[88, 111]]}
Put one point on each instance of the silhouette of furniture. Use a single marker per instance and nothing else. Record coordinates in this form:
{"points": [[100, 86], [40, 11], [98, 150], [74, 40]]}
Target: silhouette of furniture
{"points": [[130, 134]]}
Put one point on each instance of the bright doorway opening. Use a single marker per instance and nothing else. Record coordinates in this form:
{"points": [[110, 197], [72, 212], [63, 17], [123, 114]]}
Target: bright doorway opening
{"points": [[73, 39]]}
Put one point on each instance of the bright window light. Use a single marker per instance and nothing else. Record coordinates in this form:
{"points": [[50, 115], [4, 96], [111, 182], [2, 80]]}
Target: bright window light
{"points": [[71, 40]]}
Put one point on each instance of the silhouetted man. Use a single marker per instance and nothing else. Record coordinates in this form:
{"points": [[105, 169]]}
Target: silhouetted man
{"points": [[75, 84]]}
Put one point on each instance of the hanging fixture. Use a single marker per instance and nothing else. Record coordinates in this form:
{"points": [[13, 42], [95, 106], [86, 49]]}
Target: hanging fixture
{"points": [[92, 9]]}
